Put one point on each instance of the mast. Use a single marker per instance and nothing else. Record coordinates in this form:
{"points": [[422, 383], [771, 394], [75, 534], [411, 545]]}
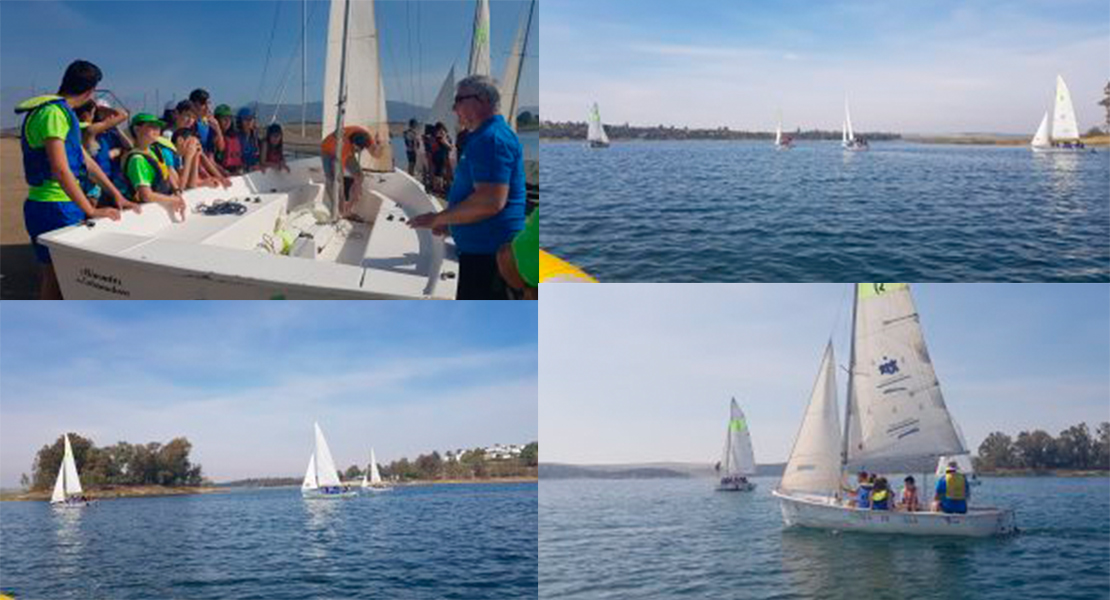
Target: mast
{"points": [[341, 108], [520, 66], [304, 62], [851, 379]]}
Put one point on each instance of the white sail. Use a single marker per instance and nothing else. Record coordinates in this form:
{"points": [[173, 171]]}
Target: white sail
{"points": [[738, 459], [479, 41], [326, 473], [596, 131], [1041, 139], [375, 476], [903, 423], [442, 107], [778, 132], [847, 135], [310, 482], [67, 483], [814, 464], [365, 93], [962, 460], [1064, 126], [510, 84]]}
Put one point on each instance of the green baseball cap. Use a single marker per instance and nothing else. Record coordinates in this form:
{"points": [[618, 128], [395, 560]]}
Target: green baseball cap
{"points": [[223, 110], [144, 118]]}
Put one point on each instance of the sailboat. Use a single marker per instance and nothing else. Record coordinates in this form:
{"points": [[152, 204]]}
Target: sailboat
{"points": [[896, 421], [373, 482], [284, 241], [738, 461], [848, 137], [67, 487], [1061, 134], [782, 143], [321, 480], [510, 83], [595, 133]]}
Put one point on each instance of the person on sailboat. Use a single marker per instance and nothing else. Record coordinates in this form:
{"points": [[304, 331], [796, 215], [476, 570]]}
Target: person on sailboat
{"points": [[953, 491], [54, 163], [880, 495], [487, 199], [355, 140], [863, 492], [412, 141], [910, 503], [207, 128], [273, 149], [150, 179]]}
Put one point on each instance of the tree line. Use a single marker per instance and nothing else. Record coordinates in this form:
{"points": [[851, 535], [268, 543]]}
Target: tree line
{"points": [[120, 464], [470, 464], [577, 130], [1074, 448]]}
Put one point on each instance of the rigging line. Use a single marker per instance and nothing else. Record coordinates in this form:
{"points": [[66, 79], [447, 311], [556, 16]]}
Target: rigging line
{"points": [[420, 49], [393, 63], [408, 43], [280, 92], [269, 49]]}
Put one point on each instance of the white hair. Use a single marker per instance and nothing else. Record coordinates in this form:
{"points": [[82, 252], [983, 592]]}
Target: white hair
{"points": [[483, 86]]}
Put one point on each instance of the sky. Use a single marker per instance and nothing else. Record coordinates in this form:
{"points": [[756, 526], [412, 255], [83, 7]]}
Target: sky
{"points": [[634, 373], [244, 382], [170, 47], [942, 66]]}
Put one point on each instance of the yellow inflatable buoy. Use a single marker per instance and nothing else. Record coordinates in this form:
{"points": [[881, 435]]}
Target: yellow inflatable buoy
{"points": [[556, 270]]}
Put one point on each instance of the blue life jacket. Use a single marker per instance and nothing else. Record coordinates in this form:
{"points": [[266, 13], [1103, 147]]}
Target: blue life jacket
{"points": [[36, 165], [863, 500]]}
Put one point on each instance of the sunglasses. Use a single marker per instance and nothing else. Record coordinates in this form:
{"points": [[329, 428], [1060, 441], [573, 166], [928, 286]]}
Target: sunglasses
{"points": [[459, 99]]}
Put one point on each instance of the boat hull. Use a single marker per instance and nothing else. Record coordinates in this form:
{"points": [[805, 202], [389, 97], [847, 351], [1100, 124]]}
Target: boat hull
{"points": [[1058, 150], [736, 486], [372, 489], [823, 513], [318, 495], [597, 145], [69, 504]]}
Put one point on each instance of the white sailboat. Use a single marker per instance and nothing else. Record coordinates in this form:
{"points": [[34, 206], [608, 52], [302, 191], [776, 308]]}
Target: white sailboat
{"points": [[1061, 134], [510, 84], [738, 460], [896, 422], [67, 487], [595, 133], [372, 478], [848, 137], [480, 43], [321, 480], [782, 143], [285, 243]]}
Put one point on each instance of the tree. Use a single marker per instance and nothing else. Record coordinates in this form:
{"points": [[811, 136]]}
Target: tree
{"points": [[1075, 448], [531, 454], [1105, 102], [429, 465], [352, 473], [1036, 450], [49, 458], [1102, 435], [24, 481], [996, 452]]}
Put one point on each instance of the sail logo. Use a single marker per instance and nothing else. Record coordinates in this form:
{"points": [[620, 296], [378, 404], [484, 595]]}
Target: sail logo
{"points": [[889, 367], [879, 288]]}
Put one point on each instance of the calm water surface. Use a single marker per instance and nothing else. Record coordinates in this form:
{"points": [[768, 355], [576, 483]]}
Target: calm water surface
{"points": [[464, 541], [679, 538], [740, 211]]}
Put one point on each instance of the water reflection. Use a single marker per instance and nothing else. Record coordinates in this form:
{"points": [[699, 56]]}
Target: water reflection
{"points": [[1062, 170], [321, 527], [69, 541]]}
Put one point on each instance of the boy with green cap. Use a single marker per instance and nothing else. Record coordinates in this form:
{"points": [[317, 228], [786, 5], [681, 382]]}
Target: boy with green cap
{"points": [[55, 164], [150, 177]]}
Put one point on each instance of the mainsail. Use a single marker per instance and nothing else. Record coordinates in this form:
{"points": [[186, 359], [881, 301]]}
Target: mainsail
{"points": [[364, 96], [898, 421], [375, 476], [738, 459], [1064, 126], [479, 41], [847, 136], [321, 468], [778, 131], [442, 107], [813, 466], [596, 131], [510, 84], [67, 483]]}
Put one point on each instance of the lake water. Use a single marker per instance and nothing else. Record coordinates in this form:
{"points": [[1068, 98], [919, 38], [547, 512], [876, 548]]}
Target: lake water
{"points": [[678, 538], [740, 211], [446, 541]]}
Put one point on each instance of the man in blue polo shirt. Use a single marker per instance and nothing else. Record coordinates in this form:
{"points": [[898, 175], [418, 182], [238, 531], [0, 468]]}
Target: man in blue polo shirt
{"points": [[485, 206]]}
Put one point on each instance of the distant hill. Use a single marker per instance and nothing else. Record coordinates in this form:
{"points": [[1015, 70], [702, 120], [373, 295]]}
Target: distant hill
{"points": [[643, 471]]}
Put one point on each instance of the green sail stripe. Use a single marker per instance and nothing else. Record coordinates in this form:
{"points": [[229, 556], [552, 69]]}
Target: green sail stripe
{"points": [[737, 425], [871, 290]]}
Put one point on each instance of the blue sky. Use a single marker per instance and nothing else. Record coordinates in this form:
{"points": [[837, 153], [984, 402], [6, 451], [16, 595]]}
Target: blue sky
{"points": [[174, 46], [245, 381], [644, 372], [938, 66]]}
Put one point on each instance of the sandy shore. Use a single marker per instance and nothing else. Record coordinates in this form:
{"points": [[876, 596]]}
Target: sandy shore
{"points": [[118, 492], [18, 269]]}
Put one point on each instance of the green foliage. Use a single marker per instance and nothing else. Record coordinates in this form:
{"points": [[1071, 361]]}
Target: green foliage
{"points": [[531, 454], [1074, 448], [121, 464], [469, 464], [352, 473]]}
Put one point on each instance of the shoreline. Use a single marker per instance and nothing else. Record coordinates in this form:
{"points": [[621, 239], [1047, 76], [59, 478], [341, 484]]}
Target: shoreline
{"points": [[1102, 141]]}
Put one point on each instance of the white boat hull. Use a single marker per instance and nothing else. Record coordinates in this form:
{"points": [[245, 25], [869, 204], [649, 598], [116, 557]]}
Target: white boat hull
{"points": [[148, 256], [81, 504], [736, 486], [823, 513], [319, 495], [1058, 150], [371, 489]]}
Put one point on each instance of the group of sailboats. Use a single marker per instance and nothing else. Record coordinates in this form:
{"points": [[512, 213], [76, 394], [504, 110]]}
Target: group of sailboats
{"points": [[321, 480]]}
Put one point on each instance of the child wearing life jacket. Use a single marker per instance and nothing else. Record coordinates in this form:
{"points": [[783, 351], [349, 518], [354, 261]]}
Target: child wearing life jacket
{"points": [[248, 139], [881, 497], [186, 118], [151, 179], [55, 163], [231, 157], [208, 130], [910, 502], [190, 174], [273, 149]]}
